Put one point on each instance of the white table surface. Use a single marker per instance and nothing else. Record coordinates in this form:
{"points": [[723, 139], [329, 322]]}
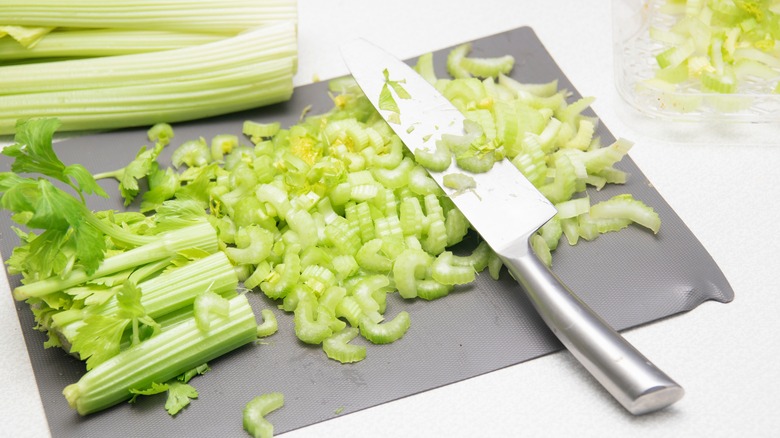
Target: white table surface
{"points": [[723, 180]]}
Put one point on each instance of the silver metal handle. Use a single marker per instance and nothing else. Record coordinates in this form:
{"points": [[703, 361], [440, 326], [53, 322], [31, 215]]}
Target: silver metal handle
{"points": [[629, 376]]}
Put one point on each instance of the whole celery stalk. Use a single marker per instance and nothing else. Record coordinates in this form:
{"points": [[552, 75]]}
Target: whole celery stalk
{"points": [[217, 16]]}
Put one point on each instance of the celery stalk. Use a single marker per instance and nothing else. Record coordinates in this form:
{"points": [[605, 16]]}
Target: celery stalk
{"points": [[215, 16], [161, 358], [102, 42], [197, 236], [248, 70], [163, 294]]}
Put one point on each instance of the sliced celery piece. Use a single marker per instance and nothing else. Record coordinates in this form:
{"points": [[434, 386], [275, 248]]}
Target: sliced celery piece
{"points": [[255, 411]]}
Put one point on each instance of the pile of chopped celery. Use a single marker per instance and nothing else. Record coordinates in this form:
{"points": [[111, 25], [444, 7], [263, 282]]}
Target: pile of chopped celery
{"points": [[718, 46], [97, 65], [325, 217]]}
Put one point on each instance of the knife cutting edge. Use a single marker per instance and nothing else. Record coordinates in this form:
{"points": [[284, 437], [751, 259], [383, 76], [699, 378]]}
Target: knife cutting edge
{"points": [[506, 210]]}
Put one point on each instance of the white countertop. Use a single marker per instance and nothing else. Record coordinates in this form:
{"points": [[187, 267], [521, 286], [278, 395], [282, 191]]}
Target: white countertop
{"points": [[723, 181]]}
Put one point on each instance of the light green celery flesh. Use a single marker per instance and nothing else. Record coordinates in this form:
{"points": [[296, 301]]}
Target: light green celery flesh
{"points": [[263, 44], [231, 100], [719, 35], [233, 74], [200, 236], [165, 293], [161, 358], [269, 326], [215, 16], [337, 347], [387, 332], [102, 42], [255, 411]]}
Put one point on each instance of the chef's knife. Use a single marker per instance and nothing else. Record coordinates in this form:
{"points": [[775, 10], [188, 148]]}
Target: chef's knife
{"points": [[506, 210]]}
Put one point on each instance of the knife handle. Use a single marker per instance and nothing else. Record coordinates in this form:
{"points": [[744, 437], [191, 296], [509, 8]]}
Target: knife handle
{"points": [[624, 372]]}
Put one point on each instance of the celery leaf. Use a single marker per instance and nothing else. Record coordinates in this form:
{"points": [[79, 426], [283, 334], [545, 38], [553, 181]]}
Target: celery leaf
{"points": [[179, 395], [144, 164], [197, 371], [162, 186], [33, 153], [98, 339], [154, 388], [39, 204]]}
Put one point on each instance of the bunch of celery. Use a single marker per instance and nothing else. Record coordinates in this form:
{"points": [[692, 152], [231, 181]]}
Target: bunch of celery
{"points": [[95, 65], [131, 295]]}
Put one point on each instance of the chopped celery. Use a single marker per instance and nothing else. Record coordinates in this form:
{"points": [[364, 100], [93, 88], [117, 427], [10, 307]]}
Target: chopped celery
{"points": [[269, 325], [459, 182], [715, 39], [387, 332], [460, 65], [444, 271], [338, 348], [541, 249], [193, 153], [259, 131], [626, 207], [256, 410]]}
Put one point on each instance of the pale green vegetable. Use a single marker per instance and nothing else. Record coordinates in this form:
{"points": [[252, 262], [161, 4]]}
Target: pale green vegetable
{"points": [[238, 71], [101, 42], [161, 358], [255, 411], [214, 16], [626, 207], [387, 332], [338, 348], [208, 305], [459, 182], [718, 46], [269, 325]]}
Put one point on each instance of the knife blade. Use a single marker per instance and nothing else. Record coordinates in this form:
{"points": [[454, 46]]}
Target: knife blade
{"points": [[506, 210]]}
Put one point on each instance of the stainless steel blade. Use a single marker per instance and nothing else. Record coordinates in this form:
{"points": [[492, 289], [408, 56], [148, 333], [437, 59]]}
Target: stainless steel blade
{"points": [[505, 209], [424, 118]]}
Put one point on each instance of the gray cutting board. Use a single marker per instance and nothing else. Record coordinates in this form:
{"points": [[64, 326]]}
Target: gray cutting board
{"points": [[630, 278]]}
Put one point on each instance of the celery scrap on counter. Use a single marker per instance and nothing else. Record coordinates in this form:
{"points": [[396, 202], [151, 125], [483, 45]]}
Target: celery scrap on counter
{"points": [[255, 411]]}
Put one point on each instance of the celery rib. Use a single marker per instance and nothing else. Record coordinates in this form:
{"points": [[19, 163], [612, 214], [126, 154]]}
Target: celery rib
{"points": [[102, 42], [263, 44], [200, 236], [161, 358], [252, 69], [191, 15]]}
